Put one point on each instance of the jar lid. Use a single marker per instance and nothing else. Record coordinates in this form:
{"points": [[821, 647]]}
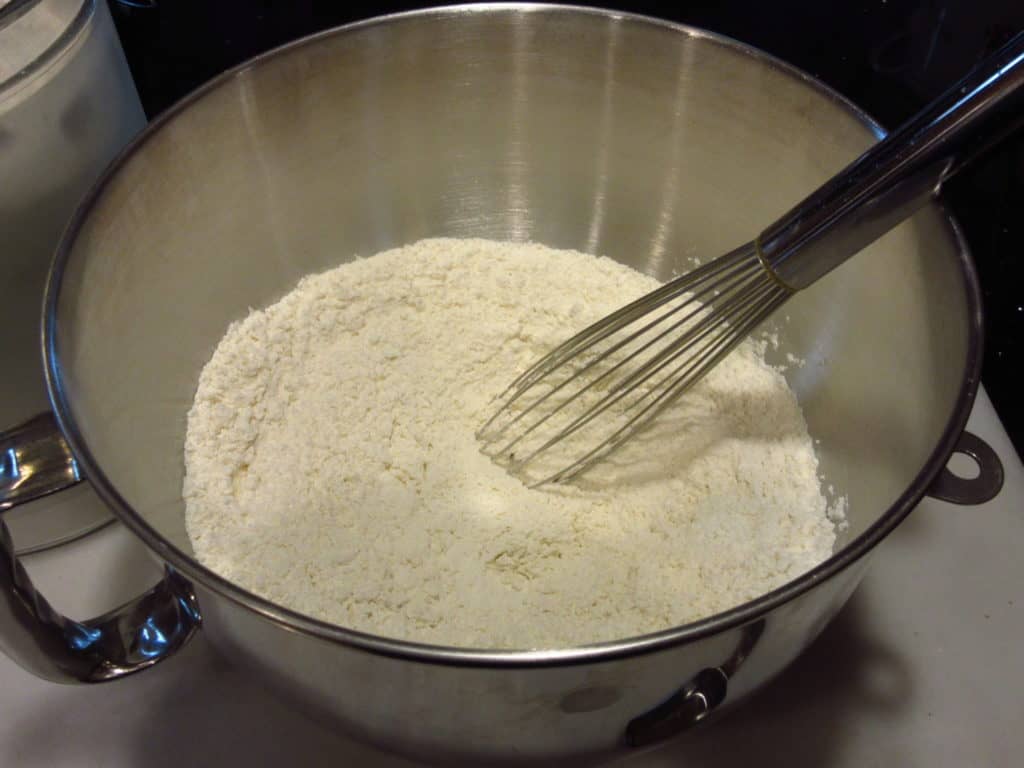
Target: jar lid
{"points": [[33, 33]]}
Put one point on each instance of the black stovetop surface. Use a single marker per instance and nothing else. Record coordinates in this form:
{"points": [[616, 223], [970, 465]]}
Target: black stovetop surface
{"points": [[888, 56]]}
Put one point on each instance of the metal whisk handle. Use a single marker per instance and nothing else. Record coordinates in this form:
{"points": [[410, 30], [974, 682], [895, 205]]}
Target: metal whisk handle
{"points": [[898, 175]]}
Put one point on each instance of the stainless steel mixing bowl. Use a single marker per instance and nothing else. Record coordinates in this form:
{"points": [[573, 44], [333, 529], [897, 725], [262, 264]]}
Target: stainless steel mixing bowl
{"points": [[652, 143]]}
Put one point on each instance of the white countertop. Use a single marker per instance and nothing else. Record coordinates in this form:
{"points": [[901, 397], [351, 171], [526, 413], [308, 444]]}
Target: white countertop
{"points": [[924, 667]]}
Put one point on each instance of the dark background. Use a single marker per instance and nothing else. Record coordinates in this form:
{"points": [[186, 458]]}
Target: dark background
{"points": [[888, 56]]}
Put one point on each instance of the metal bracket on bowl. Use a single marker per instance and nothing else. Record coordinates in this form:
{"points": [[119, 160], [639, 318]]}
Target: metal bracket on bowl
{"points": [[696, 699], [975, 490], [34, 462]]}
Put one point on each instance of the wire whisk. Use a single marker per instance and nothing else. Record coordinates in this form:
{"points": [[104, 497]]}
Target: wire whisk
{"points": [[630, 365], [594, 392]]}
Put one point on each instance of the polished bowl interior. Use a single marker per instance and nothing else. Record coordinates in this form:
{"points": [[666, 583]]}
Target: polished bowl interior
{"points": [[656, 145]]}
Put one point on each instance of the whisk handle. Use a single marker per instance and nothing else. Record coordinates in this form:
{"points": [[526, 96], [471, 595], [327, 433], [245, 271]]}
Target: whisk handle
{"points": [[898, 175]]}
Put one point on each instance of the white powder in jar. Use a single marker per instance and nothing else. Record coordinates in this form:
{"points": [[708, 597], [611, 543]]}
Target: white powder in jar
{"points": [[331, 463]]}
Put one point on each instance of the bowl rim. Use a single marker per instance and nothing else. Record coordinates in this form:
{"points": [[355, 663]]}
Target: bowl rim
{"points": [[740, 615]]}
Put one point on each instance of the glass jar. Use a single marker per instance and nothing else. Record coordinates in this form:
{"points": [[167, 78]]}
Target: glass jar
{"points": [[67, 106]]}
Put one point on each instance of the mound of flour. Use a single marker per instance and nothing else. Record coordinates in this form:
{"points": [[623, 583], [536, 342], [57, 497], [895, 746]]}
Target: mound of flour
{"points": [[331, 463]]}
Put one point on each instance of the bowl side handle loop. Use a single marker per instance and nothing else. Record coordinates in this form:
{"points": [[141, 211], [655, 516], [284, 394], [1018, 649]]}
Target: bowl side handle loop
{"points": [[34, 462]]}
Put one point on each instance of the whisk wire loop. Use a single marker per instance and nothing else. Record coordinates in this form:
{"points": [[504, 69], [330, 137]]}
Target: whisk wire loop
{"points": [[633, 363]]}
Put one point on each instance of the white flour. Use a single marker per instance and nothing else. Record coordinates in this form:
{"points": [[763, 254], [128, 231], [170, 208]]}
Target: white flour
{"points": [[331, 464]]}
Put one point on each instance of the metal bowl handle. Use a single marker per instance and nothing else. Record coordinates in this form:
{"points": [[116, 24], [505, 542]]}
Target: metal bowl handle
{"points": [[696, 699], [975, 490], [36, 462]]}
